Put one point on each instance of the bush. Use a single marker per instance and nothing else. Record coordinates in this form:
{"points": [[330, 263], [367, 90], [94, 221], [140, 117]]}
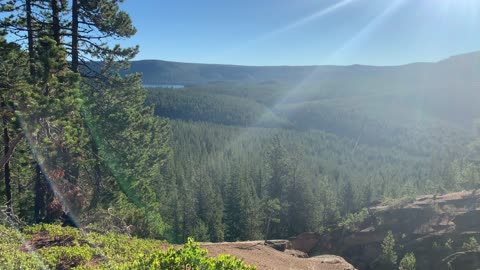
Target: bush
{"points": [[471, 245], [353, 220], [65, 248], [388, 259], [408, 262], [188, 257]]}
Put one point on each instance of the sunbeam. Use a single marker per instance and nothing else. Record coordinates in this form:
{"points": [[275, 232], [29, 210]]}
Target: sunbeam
{"points": [[245, 135], [295, 24], [305, 20], [362, 33], [355, 39], [367, 30]]}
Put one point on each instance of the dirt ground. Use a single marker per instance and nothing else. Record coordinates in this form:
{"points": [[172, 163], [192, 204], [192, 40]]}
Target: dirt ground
{"points": [[264, 257]]}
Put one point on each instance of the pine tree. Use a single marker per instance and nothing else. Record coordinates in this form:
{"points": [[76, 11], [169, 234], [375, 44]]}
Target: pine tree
{"points": [[388, 258], [132, 143], [49, 106], [210, 208], [93, 23], [279, 168], [52, 122], [12, 80], [128, 145], [233, 205]]}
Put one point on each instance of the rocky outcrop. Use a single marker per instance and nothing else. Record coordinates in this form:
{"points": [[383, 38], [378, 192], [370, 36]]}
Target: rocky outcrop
{"points": [[333, 260], [305, 242], [434, 227], [267, 257], [296, 253], [280, 245]]}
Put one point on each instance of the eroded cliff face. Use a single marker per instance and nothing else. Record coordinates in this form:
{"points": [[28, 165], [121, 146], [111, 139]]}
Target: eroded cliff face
{"points": [[277, 255], [435, 228]]}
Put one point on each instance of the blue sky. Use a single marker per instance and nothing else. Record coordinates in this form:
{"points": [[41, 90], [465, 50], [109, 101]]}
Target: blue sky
{"points": [[304, 32]]}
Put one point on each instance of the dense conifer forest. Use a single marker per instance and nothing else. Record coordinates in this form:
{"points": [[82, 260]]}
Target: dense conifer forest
{"points": [[240, 161]]}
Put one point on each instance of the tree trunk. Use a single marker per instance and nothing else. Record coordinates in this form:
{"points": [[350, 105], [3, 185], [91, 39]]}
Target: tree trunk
{"points": [[31, 53], [75, 35], [39, 206], [267, 229], [96, 176], [6, 157], [6, 167], [55, 20]]}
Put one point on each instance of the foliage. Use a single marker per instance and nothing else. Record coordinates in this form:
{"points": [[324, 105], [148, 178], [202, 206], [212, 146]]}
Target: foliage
{"points": [[68, 248], [84, 145], [329, 160], [389, 257], [130, 150], [311, 173], [187, 104], [241, 159], [448, 244], [353, 220], [407, 262], [471, 245], [189, 257]]}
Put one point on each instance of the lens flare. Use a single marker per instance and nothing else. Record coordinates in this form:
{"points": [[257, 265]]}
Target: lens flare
{"points": [[295, 24]]}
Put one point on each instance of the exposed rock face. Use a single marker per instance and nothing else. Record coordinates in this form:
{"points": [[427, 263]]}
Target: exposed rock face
{"points": [[305, 242], [296, 253], [280, 245], [267, 258], [334, 260], [432, 227]]}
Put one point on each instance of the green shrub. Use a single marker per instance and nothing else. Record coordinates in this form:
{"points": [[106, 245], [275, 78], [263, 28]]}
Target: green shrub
{"points": [[353, 220], [188, 257], [65, 248], [471, 245], [65, 257], [408, 262], [388, 258], [52, 231]]}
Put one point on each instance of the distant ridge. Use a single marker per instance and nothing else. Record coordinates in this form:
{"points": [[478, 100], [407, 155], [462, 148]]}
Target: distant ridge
{"points": [[161, 72], [466, 56]]}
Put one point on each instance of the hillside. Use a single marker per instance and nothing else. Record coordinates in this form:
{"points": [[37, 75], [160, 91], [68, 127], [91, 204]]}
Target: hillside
{"points": [[158, 71], [444, 91], [325, 141]]}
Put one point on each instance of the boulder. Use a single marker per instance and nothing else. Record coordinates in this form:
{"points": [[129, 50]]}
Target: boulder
{"points": [[280, 245], [296, 253], [334, 260], [305, 242]]}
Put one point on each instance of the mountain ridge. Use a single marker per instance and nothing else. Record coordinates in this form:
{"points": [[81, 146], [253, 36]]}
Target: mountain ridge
{"points": [[472, 53], [161, 71]]}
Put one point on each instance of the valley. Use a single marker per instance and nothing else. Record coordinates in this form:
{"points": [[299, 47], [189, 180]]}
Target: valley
{"points": [[326, 147]]}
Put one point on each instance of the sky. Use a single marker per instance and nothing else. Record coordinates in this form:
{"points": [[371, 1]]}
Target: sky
{"points": [[304, 32]]}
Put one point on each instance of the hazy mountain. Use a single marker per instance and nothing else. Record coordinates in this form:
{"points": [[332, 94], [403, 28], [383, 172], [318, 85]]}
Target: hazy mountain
{"points": [[448, 90], [158, 71]]}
